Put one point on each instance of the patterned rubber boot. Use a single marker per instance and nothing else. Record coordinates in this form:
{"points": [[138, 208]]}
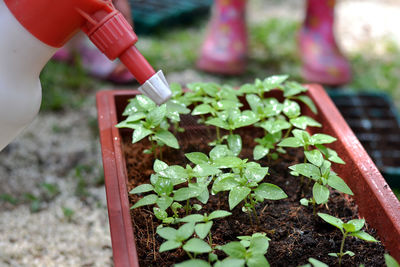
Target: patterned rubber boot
{"points": [[224, 50], [322, 62]]}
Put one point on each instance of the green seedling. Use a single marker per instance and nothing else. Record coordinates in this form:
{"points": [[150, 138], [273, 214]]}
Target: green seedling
{"points": [[351, 228], [177, 238], [152, 121], [164, 180], [275, 117], [390, 261], [205, 222], [319, 171], [303, 139], [230, 120], [250, 252], [260, 87], [243, 184]]}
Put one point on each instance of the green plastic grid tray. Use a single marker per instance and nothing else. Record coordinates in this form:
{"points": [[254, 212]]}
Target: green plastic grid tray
{"points": [[376, 122], [149, 15]]}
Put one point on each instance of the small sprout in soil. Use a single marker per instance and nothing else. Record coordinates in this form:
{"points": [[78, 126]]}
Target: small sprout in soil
{"points": [[152, 121], [303, 139], [243, 184], [351, 228], [249, 251], [390, 261], [177, 238], [204, 222], [319, 171]]}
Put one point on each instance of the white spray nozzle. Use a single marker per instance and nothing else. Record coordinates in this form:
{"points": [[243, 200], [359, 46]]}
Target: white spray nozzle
{"points": [[157, 88]]}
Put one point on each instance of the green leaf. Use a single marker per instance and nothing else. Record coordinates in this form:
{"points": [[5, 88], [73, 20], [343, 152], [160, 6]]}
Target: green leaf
{"points": [[322, 139], [257, 261], [204, 196], [159, 165], [193, 263], [156, 115], [291, 142], [254, 101], [167, 233], [234, 249], [291, 108], [145, 102], [218, 123], [202, 229], [336, 182], [364, 236], [143, 188], [202, 109], [185, 231], [227, 162], [167, 138], [192, 218], [205, 169], [129, 125], [219, 151], [333, 254], [197, 157], [390, 261], [218, 214], [175, 172], [246, 118], [331, 220], [235, 143], [320, 193], [163, 186], [293, 88], [350, 253], [159, 213], [140, 133], [315, 157], [274, 81], [317, 263], [197, 246], [273, 126], [304, 202], [164, 202], [147, 200], [272, 107], [306, 100], [237, 194], [307, 169], [259, 245], [170, 245], [255, 174], [230, 262], [348, 227], [270, 191], [330, 154], [303, 122], [135, 117], [185, 193], [224, 182], [259, 152]]}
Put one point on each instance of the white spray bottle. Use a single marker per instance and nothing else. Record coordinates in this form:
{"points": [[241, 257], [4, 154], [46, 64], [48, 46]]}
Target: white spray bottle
{"points": [[30, 34]]}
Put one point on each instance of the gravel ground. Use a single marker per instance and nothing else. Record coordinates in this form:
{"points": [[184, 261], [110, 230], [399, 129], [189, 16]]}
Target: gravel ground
{"points": [[69, 226]]}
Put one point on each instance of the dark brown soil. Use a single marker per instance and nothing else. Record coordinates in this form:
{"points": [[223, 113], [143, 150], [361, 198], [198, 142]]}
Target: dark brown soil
{"points": [[295, 233]]}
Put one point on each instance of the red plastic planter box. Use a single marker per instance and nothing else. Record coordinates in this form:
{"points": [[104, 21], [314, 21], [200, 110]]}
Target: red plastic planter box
{"points": [[376, 202]]}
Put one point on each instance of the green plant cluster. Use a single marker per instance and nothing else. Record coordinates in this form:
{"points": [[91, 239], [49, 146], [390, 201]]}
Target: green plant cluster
{"points": [[178, 193]]}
